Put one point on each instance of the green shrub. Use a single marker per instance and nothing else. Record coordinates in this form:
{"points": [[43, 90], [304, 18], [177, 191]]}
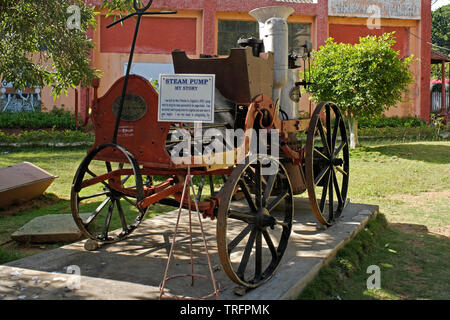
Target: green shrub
{"points": [[45, 137], [57, 119], [391, 122], [7, 255], [427, 133]]}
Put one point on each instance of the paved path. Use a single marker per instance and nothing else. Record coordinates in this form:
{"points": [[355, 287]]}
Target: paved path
{"points": [[134, 268]]}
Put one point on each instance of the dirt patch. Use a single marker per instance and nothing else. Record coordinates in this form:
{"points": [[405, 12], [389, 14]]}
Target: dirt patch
{"points": [[426, 202], [39, 202], [421, 198], [410, 228], [414, 269], [420, 229], [416, 243]]}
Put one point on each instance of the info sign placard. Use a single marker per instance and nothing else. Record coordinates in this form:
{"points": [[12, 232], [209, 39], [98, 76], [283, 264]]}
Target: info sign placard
{"points": [[186, 98]]}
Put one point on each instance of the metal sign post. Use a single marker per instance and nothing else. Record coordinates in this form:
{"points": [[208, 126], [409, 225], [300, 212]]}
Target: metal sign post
{"points": [[187, 98]]}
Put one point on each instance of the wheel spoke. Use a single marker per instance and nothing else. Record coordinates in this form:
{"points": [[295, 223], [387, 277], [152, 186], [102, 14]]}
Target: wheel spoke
{"points": [[335, 131], [337, 190], [125, 179], [321, 154], [339, 149], [92, 196], [322, 135], [239, 237], [328, 124], [200, 188], [340, 170], [269, 188], [108, 220], [247, 194], [246, 255], [321, 175], [283, 224], [330, 197], [324, 194], [121, 215], [96, 212], [258, 182], [211, 186], [270, 244], [133, 203], [277, 201], [258, 256], [95, 176], [241, 216]]}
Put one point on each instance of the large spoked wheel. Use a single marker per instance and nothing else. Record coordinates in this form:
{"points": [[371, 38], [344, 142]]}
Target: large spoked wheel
{"points": [[327, 163], [104, 200], [252, 235]]}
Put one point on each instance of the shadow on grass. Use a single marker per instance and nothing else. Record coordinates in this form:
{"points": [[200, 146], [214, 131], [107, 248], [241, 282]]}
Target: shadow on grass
{"points": [[431, 153], [17, 215], [413, 264]]}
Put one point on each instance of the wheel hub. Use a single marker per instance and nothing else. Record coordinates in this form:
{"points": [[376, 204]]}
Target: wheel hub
{"points": [[263, 218], [337, 162]]}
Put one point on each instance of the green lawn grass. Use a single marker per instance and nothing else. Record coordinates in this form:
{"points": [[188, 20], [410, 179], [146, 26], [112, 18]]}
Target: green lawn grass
{"points": [[410, 241], [62, 162]]}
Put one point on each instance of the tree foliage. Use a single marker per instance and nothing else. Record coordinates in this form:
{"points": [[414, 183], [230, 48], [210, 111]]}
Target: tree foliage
{"points": [[37, 48], [363, 79], [440, 28], [440, 36]]}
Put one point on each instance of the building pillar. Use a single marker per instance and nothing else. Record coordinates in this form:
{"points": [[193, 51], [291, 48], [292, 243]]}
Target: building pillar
{"points": [[85, 94], [209, 27], [443, 102], [321, 24], [425, 57]]}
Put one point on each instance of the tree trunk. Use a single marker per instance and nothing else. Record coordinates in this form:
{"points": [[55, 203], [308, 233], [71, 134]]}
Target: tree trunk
{"points": [[353, 128]]}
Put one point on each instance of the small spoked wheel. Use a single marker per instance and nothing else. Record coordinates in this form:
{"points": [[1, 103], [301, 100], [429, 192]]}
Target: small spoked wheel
{"points": [[327, 163], [252, 234], [104, 200]]}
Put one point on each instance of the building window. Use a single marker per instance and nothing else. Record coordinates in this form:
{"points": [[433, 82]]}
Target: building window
{"points": [[230, 31], [298, 34]]}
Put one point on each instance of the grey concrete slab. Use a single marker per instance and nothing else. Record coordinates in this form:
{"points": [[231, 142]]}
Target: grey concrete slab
{"points": [[134, 268], [50, 228]]}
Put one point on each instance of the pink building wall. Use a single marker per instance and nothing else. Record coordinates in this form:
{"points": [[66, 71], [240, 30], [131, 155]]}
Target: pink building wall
{"points": [[206, 13]]}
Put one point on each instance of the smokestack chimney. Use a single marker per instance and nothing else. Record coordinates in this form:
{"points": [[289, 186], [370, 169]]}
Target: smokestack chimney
{"points": [[273, 30]]}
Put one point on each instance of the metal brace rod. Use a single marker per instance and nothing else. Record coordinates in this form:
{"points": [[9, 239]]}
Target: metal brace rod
{"points": [[139, 12]]}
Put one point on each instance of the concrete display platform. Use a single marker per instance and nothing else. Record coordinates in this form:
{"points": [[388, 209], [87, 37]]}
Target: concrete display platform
{"points": [[134, 268]]}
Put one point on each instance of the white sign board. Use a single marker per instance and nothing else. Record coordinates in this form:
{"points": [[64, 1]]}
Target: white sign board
{"points": [[400, 9], [186, 98]]}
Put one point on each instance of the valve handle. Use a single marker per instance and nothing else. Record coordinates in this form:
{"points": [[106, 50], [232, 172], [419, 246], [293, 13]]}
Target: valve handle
{"points": [[144, 8]]}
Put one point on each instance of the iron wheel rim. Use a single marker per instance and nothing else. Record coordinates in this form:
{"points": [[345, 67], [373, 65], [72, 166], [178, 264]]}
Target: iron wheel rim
{"points": [[327, 163], [113, 202], [266, 233]]}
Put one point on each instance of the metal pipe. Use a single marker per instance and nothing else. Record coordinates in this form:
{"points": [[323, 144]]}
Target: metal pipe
{"points": [[273, 29]]}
